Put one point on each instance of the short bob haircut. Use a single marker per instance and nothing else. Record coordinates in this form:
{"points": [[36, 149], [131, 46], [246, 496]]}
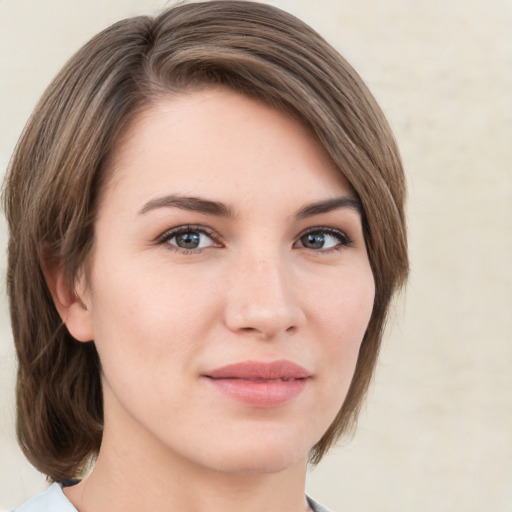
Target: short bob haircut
{"points": [[60, 164]]}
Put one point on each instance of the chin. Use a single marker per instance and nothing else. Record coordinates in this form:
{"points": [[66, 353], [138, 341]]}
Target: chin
{"points": [[263, 457], [265, 464]]}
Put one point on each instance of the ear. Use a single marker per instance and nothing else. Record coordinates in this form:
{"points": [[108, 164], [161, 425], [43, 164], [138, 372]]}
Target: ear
{"points": [[70, 301]]}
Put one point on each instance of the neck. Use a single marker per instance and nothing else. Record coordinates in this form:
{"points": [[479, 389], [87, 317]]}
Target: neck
{"points": [[113, 490]]}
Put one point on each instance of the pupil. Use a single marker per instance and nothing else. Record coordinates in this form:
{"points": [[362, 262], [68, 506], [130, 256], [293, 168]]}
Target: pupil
{"points": [[188, 240], [313, 241]]}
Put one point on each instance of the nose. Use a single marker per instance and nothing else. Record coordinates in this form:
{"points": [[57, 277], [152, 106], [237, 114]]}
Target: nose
{"points": [[262, 300]]}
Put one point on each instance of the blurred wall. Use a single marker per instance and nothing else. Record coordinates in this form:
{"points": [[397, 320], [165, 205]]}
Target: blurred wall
{"points": [[436, 433]]}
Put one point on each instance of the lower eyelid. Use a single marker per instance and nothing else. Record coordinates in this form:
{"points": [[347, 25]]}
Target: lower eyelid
{"points": [[342, 237]]}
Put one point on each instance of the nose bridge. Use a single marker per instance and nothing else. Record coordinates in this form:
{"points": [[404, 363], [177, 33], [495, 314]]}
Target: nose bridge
{"points": [[262, 298]]}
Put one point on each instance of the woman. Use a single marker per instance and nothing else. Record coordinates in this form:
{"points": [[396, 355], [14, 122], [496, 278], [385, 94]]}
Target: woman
{"points": [[206, 230]]}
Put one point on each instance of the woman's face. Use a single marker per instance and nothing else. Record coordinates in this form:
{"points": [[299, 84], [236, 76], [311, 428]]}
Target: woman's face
{"points": [[229, 286]]}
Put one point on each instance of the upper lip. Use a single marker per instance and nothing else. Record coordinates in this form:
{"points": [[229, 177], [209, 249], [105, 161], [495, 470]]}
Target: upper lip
{"points": [[260, 370]]}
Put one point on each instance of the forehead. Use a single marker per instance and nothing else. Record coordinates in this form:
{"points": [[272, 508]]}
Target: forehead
{"points": [[223, 143]]}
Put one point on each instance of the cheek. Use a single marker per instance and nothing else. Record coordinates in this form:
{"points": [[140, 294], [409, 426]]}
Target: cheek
{"points": [[346, 304], [148, 325], [344, 316]]}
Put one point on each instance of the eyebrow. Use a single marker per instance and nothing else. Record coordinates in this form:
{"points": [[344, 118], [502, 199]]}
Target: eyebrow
{"points": [[189, 203], [330, 205], [219, 209]]}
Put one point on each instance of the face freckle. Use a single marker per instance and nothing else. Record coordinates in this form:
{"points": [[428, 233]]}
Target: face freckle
{"points": [[207, 260]]}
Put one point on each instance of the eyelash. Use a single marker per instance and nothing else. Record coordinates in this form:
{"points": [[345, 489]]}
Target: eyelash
{"points": [[343, 239], [174, 232], [164, 239]]}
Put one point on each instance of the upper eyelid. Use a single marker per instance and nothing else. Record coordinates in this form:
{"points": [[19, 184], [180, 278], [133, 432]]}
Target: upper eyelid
{"points": [[172, 232], [214, 235], [322, 228], [325, 229]]}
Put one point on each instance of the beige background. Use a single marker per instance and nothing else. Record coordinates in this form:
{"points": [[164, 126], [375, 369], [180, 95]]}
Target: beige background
{"points": [[436, 434]]}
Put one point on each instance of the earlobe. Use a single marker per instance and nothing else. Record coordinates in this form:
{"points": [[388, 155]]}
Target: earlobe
{"points": [[70, 302]]}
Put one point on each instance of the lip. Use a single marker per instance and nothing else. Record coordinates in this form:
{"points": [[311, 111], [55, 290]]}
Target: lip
{"points": [[260, 384]]}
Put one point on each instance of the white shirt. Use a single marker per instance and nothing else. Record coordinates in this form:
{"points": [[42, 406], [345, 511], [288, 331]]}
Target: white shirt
{"points": [[54, 500], [51, 500]]}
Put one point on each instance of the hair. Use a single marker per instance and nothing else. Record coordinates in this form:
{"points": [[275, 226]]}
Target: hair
{"points": [[59, 167]]}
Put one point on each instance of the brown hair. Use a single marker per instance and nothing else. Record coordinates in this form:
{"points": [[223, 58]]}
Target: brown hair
{"points": [[56, 174]]}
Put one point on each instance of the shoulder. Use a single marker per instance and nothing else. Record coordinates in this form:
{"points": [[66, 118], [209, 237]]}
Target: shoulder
{"points": [[51, 500], [316, 507]]}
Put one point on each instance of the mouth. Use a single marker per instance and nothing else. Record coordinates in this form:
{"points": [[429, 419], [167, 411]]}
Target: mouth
{"points": [[256, 379], [260, 384]]}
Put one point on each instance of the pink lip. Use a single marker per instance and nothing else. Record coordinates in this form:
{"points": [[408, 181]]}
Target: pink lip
{"points": [[260, 384]]}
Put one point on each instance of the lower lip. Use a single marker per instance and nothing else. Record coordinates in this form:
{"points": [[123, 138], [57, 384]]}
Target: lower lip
{"points": [[262, 394]]}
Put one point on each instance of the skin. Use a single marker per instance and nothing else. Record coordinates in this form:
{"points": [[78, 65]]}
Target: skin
{"points": [[254, 289]]}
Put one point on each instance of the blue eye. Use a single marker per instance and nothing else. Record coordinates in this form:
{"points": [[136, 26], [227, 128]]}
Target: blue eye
{"points": [[323, 239], [188, 238]]}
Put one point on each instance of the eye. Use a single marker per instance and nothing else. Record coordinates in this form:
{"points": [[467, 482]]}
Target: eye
{"points": [[188, 238], [323, 239]]}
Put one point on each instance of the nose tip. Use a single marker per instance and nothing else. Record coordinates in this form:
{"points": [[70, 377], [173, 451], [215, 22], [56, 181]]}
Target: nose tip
{"points": [[263, 303], [264, 324]]}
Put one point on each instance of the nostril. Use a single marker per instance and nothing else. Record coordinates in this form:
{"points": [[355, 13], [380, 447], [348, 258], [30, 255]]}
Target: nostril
{"points": [[253, 330], [256, 319]]}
